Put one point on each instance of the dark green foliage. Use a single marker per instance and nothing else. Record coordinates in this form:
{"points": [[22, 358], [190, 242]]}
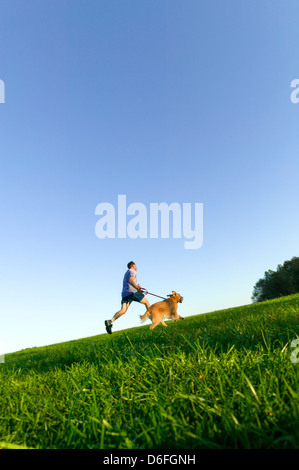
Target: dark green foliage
{"points": [[284, 281]]}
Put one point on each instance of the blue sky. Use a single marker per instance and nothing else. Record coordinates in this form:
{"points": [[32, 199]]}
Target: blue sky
{"points": [[161, 101]]}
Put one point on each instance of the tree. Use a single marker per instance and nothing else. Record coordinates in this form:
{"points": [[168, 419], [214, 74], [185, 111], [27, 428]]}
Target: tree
{"points": [[283, 281]]}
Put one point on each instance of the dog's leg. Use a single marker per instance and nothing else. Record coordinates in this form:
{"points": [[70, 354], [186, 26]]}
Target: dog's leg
{"points": [[164, 324], [153, 325], [177, 317]]}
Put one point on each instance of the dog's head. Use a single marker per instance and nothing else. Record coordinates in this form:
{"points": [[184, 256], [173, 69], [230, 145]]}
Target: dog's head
{"points": [[176, 296]]}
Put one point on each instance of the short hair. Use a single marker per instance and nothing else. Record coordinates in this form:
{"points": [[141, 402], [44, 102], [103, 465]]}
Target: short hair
{"points": [[130, 264]]}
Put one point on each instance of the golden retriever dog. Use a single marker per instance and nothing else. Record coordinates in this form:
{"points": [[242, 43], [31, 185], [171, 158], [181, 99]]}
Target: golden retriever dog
{"points": [[165, 309]]}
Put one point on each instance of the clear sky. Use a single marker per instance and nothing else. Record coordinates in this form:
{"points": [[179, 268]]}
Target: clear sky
{"points": [[161, 101]]}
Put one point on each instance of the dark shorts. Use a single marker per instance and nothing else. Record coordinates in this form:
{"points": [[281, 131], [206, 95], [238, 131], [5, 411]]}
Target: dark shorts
{"points": [[136, 296]]}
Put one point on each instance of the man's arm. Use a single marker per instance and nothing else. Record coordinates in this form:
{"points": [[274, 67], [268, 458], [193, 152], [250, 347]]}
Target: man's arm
{"points": [[132, 282]]}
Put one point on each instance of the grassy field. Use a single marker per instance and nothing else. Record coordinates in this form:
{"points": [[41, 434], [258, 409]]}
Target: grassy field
{"points": [[219, 380]]}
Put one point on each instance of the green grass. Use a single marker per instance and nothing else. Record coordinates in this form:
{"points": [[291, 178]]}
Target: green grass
{"points": [[219, 380]]}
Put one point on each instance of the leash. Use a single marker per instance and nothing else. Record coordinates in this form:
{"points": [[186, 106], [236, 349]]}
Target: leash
{"points": [[145, 292]]}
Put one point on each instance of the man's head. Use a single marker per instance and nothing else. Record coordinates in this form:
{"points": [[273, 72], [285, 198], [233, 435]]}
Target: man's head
{"points": [[132, 265]]}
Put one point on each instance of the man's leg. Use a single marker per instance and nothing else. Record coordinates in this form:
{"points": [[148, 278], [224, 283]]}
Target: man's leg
{"points": [[109, 323], [124, 308], [145, 302]]}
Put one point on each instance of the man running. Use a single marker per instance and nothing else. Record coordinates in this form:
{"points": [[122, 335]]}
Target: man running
{"points": [[131, 292]]}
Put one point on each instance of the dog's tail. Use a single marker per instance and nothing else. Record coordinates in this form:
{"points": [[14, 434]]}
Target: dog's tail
{"points": [[145, 316]]}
